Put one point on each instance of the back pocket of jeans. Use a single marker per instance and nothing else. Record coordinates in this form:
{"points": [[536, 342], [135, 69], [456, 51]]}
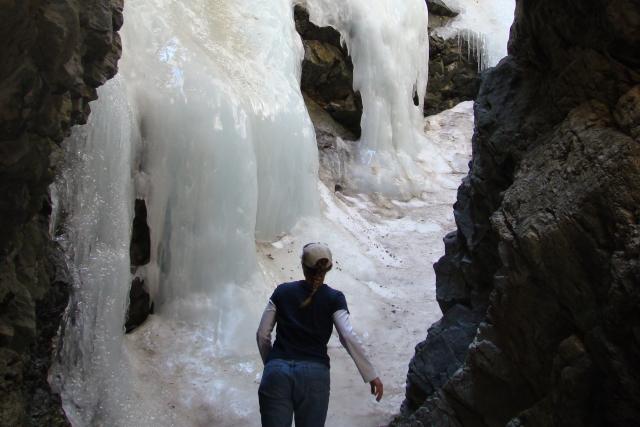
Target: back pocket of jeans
{"points": [[319, 380], [273, 376]]}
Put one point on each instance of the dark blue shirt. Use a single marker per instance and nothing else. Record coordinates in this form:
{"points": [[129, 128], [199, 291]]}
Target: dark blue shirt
{"points": [[302, 333]]}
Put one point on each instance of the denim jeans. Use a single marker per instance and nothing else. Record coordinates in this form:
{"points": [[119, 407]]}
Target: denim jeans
{"points": [[291, 387]]}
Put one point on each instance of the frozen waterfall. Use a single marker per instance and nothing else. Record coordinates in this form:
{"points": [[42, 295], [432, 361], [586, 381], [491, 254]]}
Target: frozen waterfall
{"points": [[206, 122], [388, 43], [214, 135]]}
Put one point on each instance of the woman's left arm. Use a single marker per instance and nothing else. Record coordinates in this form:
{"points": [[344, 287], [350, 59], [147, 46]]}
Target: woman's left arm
{"points": [[353, 345]]}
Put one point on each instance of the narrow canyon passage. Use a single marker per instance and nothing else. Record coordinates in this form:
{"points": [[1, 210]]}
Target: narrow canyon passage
{"points": [[162, 162], [383, 251], [228, 169]]}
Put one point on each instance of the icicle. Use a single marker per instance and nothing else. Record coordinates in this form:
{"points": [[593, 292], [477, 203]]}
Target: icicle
{"points": [[476, 47], [489, 21]]}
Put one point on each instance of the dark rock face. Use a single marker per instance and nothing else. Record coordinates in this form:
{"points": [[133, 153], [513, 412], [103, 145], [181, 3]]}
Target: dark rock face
{"points": [[55, 55], [140, 247], [547, 250], [453, 74], [334, 107], [26, 347], [439, 13], [439, 8], [336, 149], [44, 408], [439, 357], [140, 305], [327, 72]]}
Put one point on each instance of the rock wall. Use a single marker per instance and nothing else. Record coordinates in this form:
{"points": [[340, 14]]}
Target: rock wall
{"points": [[540, 284], [327, 73], [54, 55], [454, 74]]}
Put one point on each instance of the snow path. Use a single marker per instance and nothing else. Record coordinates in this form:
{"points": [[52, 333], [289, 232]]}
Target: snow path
{"points": [[383, 252]]}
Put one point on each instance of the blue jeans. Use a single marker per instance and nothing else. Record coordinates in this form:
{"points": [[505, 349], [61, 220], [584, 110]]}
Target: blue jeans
{"points": [[291, 387]]}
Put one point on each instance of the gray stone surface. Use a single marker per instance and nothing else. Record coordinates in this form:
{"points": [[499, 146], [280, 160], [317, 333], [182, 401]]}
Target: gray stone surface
{"points": [[440, 8], [548, 239], [454, 76], [54, 56], [335, 147], [140, 305], [327, 73], [438, 358]]}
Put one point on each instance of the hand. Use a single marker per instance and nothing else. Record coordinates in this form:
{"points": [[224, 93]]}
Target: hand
{"points": [[376, 388]]}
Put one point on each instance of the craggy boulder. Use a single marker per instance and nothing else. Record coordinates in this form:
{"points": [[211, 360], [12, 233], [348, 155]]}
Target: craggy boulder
{"points": [[547, 247], [55, 54]]}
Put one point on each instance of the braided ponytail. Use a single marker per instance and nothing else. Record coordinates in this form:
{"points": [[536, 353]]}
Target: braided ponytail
{"points": [[316, 277]]}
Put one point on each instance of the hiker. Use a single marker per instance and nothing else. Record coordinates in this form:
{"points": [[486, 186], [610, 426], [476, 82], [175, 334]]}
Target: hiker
{"points": [[296, 369]]}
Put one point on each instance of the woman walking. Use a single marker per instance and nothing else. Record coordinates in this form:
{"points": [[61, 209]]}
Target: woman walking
{"points": [[295, 380]]}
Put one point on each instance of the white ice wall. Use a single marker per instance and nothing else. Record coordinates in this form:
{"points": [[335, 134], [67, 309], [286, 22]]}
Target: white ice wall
{"points": [[206, 122], [229, 152]]}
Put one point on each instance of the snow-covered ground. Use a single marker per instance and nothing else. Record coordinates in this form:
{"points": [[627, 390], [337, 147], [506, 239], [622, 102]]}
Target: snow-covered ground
{"points": [[383, 252]]}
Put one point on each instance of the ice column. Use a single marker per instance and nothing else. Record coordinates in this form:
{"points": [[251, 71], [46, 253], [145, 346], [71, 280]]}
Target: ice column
{"points": [[229, 152], [95, 194], [388, 43]]}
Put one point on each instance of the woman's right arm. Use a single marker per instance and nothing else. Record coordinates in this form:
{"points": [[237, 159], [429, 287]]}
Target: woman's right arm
{"points": [[263, 336]]}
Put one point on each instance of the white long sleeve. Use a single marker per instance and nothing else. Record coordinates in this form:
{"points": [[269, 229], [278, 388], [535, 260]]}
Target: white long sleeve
{"points": [[353, 345], [263, 336]]}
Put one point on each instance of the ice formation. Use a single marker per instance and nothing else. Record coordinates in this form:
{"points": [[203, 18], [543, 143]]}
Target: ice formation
{"points": [[485, 25], [96, 197], [206, 122], [388, 43]]}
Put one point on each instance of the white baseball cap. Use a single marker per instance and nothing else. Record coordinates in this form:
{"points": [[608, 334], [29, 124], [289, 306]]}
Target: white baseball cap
{"points": [[314, 252]]}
